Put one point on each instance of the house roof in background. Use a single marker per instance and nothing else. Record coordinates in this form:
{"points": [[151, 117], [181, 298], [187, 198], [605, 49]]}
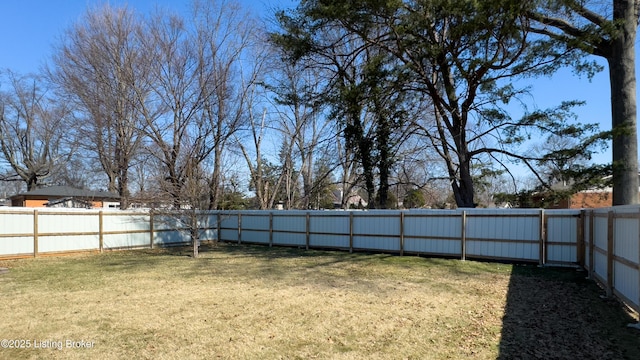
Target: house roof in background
{"points": [[68, 191]]}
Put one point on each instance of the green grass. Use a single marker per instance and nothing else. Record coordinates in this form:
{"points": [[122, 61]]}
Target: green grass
{"points": [[254, 302]]}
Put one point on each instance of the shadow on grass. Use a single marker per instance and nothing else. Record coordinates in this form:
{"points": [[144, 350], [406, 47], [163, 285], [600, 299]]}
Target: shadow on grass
{"points": [[267, 253], [559, 314]]}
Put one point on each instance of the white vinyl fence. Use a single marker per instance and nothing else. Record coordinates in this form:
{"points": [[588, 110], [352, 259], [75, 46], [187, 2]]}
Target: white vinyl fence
{"points": [[603, 241]]}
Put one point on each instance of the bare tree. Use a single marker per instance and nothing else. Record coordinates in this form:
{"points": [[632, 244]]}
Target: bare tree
{"points": [[35, 138], [298, 95], [178, 132], [231, 57], [266, 187], [97, 66]]}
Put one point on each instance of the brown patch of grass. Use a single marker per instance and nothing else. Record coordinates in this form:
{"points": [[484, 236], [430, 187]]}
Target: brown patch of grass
{"points": [[252, 302]]}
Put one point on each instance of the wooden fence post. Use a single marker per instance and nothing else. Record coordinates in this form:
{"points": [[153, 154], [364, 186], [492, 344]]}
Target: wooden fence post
{"points": [[580, 241], [151, 229], [307, 225], [543, 252], [610, 239], [270, 228], [35, 233], [401, 233], [592, 245], [350, 231], [463, 233], [218, 227], [100, 231], [239, 227]]}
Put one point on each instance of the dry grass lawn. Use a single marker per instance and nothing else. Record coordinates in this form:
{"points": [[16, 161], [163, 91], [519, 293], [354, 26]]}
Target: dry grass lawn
{"points": [[250, 302]]}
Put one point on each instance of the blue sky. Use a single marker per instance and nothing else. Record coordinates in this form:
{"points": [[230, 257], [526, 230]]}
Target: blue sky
{"points": [[28, 28]]}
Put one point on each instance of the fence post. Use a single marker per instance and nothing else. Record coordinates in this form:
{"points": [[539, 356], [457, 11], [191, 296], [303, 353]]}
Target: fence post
{"points": [[218, 227], [151, 229], [463, 245], [401, 233], [307, 222], [543, 245], [270, 228], [35, 233], [350, 231], [239, 228], [610, 238], [580, 239], [100, 231], [591, 242]]}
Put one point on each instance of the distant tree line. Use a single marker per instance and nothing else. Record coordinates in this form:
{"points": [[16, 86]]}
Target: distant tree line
{"points": [[398, 103]]}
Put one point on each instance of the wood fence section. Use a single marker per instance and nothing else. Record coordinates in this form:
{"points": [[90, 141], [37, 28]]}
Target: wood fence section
{"points": [[530, 235], [42, 232], [507, 234], [612, 251]]}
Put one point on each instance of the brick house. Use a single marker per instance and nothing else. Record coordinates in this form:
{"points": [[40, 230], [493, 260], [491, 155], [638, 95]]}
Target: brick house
{"points": [[66, 196], [585, 200]]}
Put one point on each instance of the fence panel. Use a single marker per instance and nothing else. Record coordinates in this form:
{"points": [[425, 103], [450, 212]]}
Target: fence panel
{"points": [[625, 283], [377, 223], [562, 237], [208, 224], [289, 228], [17, 246], [625, 230], [255, 227], [170, 230], [376, 230], [329, 229], [229, 226], [16, 233], [68, 231], [626, 254], [16, 223], [125, 230], [68, 243], [508, 234], [376, 242], [600, 236], [433, 233]]}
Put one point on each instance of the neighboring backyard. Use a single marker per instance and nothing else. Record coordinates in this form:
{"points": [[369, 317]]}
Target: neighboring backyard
{"points": [[252, 302]]}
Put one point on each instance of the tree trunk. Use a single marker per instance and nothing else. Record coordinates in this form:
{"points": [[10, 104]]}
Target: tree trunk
{"points": [[623, 105], [384, 163], [465, 194], [32, 183], [367, 169], [194, 233], [123, 188]]}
